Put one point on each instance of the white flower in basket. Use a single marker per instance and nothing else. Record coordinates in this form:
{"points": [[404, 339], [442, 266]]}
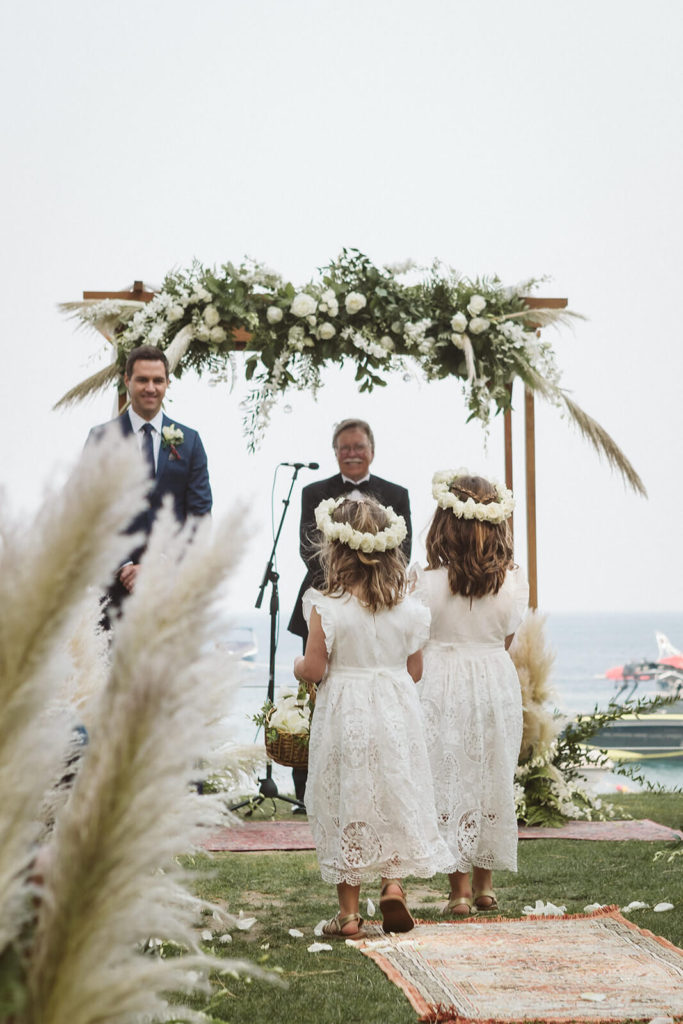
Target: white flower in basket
{"points": [[287, 722]]}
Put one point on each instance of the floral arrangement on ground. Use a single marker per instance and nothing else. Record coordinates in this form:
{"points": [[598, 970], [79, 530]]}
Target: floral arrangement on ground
{"points": [[384, 319]]}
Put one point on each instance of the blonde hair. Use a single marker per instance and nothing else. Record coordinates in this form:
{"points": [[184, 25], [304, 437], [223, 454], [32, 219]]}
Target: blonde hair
{"points": [[477, 554], [377, 579]]}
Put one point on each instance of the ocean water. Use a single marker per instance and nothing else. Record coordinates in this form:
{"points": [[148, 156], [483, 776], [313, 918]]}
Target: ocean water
{"points": [[585, 647]]}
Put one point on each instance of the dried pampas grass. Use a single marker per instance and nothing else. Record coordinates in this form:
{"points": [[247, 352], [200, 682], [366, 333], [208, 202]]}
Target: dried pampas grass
{"points": [[534, 659], [46, 564], [112, 879]]}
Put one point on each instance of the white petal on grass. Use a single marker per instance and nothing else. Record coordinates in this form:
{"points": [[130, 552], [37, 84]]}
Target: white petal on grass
{"points": [[660, 907], [225, 939], [370, 908], [207, 936], [593, 907], [318, 930], [295, 933], [635, 905], [319, 947], [245, 923], [542, 909]]}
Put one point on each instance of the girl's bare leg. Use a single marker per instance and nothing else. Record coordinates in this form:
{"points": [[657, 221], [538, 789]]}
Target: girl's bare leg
{"points": [[461, 888], [483, 879], [349, 897]]}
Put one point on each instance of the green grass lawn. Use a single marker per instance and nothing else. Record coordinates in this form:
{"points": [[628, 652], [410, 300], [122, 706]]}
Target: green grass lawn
{"points": [[284, 890]]}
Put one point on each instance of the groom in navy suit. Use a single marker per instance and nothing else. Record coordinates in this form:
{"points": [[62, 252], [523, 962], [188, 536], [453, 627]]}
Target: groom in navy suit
{"points": [[173, 452]]}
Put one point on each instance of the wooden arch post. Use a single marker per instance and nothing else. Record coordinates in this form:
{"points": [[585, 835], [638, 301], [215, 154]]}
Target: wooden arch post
{"points": [[529, 460]]}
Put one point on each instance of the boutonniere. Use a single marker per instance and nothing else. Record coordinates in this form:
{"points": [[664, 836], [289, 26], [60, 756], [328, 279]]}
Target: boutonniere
{"points": [[170, 437]]}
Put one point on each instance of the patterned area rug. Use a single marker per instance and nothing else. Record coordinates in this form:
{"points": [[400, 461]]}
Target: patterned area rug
{"points": [[598, 968], [296, 835]]}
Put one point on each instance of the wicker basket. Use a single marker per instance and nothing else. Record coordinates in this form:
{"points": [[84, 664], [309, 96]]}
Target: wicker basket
{"points": [[288, 750]]}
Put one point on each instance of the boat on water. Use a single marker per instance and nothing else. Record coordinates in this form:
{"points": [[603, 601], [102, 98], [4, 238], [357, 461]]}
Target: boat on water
{"points": [[654, 735], [664, 673]]}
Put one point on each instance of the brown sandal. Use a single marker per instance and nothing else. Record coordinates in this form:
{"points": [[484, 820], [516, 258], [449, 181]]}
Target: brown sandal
{"points": [[333, 928], [395, 914]]}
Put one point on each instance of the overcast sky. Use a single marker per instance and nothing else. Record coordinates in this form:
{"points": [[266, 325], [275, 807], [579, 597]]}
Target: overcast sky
{"points": [[518, 138]]}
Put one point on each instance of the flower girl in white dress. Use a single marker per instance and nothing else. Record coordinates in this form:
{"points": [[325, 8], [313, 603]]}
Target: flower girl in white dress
{"points": [[369, 795], [470, 690]]}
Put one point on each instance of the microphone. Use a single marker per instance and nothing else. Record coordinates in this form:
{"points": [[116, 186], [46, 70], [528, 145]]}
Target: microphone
{"points": [[302, 465]]}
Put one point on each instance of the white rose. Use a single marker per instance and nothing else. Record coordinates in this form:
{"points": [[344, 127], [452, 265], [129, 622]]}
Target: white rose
{"points": [[204, 295], [202, 332], [476, 304], [175, 313], [211, 316], [381, 542], [329, 297], [326, 331], [333, 308], [295, 335], [459, 322], [345, 532], [479, 324], [458, 340], [367, 542], [274, 314], [354, 302], [387, 343], [354, 540], [303, 304], [397, 327], [218, 335]]}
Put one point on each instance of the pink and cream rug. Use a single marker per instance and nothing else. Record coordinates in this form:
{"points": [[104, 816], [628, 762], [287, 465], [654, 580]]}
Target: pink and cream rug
{"points": [[296, 835], [597, 968]]}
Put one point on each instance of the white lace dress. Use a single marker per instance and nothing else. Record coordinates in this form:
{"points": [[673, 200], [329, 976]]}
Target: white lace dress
{"points": [[369, 793], [472, 706]]}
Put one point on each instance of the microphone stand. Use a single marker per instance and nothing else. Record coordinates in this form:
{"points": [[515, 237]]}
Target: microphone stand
{"points": [[268, 787]]}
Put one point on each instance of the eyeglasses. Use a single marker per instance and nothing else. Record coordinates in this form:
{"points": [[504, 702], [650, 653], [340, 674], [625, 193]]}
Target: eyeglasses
{"points": [[352, 449]]}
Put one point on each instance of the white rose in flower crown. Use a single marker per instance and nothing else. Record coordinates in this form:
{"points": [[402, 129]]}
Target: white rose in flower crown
{"points": [[326, 331], [354, 302], [303, 304], [459, 322], [218, 335], [274, 314], [367, 542], [354, 540], [479, 324], [476, 304], [211, 316]]}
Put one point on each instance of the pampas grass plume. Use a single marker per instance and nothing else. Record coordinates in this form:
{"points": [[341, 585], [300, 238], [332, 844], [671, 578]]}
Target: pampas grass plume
{"points": [[534, 660], [113, 879]]}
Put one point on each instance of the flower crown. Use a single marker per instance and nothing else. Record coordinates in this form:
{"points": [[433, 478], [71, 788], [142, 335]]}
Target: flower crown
{"points": [[493, 512], [393, 535]]}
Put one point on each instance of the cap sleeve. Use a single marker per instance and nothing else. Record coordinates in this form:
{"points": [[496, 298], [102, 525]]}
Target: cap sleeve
{"points": [[314, 599], [420, 622], [417, 584], [520, 598]]}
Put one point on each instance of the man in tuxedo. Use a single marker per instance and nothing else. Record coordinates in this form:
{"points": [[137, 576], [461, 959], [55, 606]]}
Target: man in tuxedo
{"points": [[354, 447], [174, 455]]}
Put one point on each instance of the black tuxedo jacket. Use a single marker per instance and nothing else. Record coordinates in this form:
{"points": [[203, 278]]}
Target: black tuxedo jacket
{"points": [[383, 490]]}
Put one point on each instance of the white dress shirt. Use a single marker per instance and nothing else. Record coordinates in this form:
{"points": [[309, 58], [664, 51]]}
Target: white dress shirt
{"points": [[138, 423], [355, 495]]}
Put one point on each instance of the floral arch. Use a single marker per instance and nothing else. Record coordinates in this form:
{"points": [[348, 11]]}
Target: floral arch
{"points": [[384, 319]]}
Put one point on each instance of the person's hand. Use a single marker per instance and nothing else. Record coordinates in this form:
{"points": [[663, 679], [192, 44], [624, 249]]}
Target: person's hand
{"points": [[128, 575]]}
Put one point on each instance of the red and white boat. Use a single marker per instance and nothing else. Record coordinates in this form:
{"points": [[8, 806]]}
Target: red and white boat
{"points": [[665, 672]]}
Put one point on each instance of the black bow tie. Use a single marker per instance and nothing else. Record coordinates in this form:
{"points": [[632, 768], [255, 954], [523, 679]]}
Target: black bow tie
{"points": [[349, 485]]}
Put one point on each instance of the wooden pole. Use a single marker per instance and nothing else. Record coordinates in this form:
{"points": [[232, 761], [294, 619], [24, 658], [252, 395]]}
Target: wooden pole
{"points": [[530, 456], [508, 456]]}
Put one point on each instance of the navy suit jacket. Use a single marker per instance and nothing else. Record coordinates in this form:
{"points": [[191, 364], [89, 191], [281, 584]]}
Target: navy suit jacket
{"points": [[383, 490], [185, 478]]}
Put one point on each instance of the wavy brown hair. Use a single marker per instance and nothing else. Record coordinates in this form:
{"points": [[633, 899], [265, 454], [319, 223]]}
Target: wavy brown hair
{"points": [[476, 554], [377, 579]]}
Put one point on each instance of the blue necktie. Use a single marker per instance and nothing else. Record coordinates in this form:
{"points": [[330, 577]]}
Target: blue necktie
{"points": [[148, 448]]}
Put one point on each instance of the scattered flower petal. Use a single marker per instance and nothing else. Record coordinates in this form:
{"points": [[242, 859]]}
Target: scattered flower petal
{"points": [[593, 997], [659, 907], [207, 935], [371, 908], [225, 939], [542, 909], [318, 930], [245, 923], [661, 1020], [634, 905], [593, 906], [265, 945], [318, 947], [295, 933]]}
